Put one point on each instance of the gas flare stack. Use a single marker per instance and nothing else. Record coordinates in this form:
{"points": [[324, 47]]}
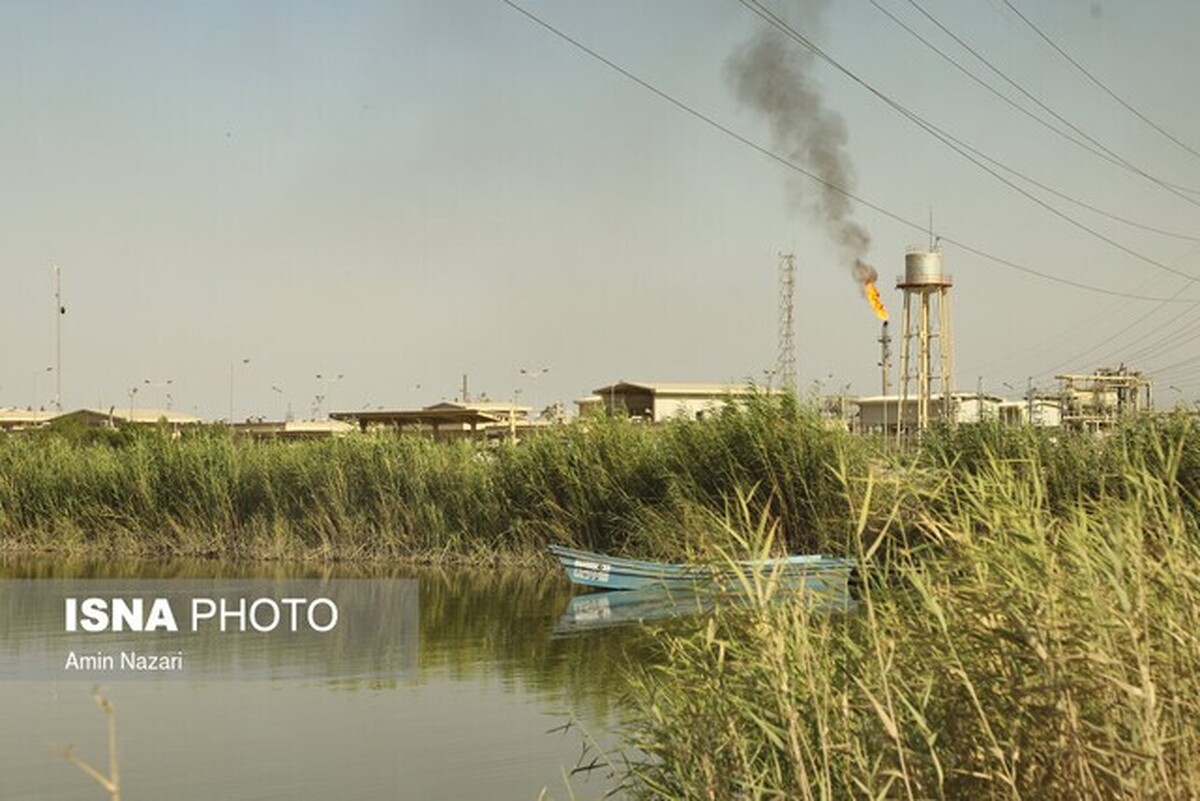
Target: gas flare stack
{"points": [[926, 287]]}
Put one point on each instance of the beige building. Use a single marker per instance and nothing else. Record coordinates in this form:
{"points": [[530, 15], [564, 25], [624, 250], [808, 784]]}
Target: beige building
{"points": [[117, 417], [880, 414], [293, 429], [21, 419], [658, 402], [443, 420]]}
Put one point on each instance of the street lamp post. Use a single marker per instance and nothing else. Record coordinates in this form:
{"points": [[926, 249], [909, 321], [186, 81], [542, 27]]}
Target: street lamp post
{"points": [[59, 311], [36, 375], [287, 417], [533, 375], [326, 380], [163, 385], [512, 415], [231, 366]]}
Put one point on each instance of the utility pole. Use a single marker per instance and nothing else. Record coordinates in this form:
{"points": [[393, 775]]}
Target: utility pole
{"points": [[59, 311], [231, 366]]}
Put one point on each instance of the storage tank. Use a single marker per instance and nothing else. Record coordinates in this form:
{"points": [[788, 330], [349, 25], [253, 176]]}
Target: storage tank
{"points": [[924, 268]]}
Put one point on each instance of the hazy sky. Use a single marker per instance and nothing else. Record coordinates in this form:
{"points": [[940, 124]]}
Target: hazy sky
{"points": [[403, 192]]}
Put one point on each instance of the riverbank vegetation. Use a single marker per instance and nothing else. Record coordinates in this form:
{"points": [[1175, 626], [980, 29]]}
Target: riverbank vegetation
{"points": [[608, 485], [1036, 637], [601, 484]]}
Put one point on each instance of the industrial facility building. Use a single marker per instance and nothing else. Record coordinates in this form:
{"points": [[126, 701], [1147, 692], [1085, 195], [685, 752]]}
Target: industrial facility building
{"points": [[21, 419], [881, 414], [1097, 401], [443, 420], [1036, 410], [292, 429], [18, 419], [115, 417], [658, 402]]}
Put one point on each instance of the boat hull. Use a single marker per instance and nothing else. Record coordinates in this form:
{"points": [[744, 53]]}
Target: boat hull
{"points": [[616, 573]]}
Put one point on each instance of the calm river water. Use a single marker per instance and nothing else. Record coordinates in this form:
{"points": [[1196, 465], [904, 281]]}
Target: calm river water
{"points": [[476, 713]]}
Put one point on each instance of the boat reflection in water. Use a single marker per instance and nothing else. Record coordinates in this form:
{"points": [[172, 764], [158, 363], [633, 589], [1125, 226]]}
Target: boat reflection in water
{"points": [[607, 608]]}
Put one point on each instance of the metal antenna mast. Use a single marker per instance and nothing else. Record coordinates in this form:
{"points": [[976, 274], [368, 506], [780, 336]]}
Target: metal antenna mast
{"points": [[785, 360]]}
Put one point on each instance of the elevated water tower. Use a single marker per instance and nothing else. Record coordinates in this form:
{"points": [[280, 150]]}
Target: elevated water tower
{"points": [[927, 321]]}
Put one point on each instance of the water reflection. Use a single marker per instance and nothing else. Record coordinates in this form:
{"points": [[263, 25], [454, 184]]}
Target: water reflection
{"points": [[474, 622], [470, 721]]}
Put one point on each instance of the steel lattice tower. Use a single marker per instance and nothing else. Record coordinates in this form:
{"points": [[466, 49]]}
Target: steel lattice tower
{"points": [[785, 359]]}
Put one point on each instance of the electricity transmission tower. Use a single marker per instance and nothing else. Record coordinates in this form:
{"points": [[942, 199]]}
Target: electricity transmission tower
{"points": [[785, 359]]}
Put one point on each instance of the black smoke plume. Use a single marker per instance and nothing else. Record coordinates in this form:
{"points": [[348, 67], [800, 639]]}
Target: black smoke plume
{"points": [[774, 75]]}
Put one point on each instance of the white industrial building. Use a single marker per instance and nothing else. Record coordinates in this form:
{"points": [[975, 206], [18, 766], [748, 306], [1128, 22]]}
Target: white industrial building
{"points": [[658, 402], [880, 414], [1038, 411]]}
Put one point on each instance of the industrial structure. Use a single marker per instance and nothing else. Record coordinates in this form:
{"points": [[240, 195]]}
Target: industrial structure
{"points": [[659, 402], [885, 359], [1035, 410], [785, 360], [25, 419], [445, 420], [292, 429], [889, 414], [926, 325], [1096, 401]]}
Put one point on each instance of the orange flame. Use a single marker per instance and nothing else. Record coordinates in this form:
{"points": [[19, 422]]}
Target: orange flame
{"points": [[867, 276], [876, 303]]}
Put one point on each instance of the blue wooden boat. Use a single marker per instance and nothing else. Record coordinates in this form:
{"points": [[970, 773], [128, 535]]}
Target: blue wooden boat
{"points": [[617, 573]]}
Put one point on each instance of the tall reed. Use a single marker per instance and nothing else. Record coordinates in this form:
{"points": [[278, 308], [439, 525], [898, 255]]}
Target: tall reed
{"points": [[604, 484], [1026, 650], [609, 485]]}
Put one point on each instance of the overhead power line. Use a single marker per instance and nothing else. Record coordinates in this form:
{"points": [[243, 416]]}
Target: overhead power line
{"points": [[895, 217], [1099, 83], [946, 138], [1040, 121], [1166, 342], [961, 147], [1174, 189], [1138, 321]]}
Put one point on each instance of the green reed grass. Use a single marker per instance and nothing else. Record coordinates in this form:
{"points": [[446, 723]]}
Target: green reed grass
{"points": [[604, 484], [608, 485], [1014, 647]]}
